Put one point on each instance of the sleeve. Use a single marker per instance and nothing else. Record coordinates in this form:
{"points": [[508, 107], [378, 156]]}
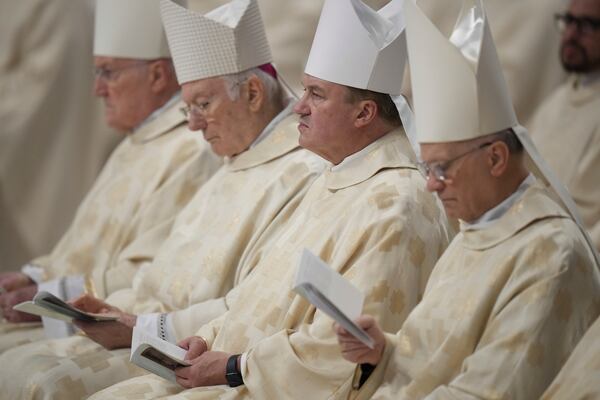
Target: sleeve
{"points": [[309, 363], [530, 336]]}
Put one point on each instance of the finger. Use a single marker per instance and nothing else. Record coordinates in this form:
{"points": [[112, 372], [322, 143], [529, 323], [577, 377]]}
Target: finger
{"points": [[183, 382], [366, 322]]}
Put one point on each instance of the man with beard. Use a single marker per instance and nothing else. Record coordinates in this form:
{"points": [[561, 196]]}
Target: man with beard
{"points": [[566, 128]]}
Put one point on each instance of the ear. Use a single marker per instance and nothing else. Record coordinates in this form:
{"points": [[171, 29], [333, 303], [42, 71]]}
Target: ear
{"points": [[158, 76], [498, 157], [367, 111], [254, 93]]}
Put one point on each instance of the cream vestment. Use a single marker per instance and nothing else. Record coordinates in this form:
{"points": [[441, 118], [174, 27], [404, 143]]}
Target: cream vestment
{"points": [[566, 131], [148, 179], [197, 262], [371, 219], [503, 309], [578, 379]]}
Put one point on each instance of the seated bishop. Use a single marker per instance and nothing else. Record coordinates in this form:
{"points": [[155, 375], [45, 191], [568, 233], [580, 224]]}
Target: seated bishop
{"points": [[519, 285], [234, 95], [368, 216], [147, 180]]}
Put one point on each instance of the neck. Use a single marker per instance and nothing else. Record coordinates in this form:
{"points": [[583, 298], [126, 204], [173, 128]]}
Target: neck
{"points": [[500, 191], [361, 139]]}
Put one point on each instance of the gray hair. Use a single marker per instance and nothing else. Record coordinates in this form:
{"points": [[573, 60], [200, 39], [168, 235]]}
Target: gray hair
{"points": [[509, 137], [273, 89]]}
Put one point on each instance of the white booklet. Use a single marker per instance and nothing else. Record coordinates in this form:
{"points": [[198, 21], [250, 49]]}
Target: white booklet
{"points": [[331, 293], [156, 355], [46, 304]]}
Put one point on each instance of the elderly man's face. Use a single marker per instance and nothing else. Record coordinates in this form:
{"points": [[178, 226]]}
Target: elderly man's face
{"points": [[467, 177], [124, 87], [326, 117], [221, 119], [580, 51]]}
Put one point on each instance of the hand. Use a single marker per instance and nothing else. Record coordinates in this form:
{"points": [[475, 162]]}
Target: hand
{"points": [[356, 351], [110, 334], [12, 298], [91, 304], [14, 280], [194, 345], [207, 370]]}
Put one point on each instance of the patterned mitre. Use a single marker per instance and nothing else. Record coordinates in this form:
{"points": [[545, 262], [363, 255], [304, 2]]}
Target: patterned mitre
{"points": [[459, 91], [130, 29], [227, 40], [359, 47]]}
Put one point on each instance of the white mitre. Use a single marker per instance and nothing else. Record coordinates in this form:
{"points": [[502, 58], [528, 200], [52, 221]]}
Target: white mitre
{"points": [[359, 47], [459, 91], [227, 40], [130, 29]]}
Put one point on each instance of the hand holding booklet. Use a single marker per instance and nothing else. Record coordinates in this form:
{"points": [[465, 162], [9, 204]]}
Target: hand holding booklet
{"points": [[156, 355], [331, 293], [46, 304]]}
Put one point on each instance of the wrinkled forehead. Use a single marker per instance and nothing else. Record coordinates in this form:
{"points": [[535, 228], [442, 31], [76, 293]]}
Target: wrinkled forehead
{"points": [[585, 8], [312, 82], [203, 88], [443, 151], [113, 62]]}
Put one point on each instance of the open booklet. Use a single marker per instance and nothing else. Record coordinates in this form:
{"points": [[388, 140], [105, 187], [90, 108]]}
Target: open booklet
{"points": [[156, 355], [46, 304], [331, 293]]}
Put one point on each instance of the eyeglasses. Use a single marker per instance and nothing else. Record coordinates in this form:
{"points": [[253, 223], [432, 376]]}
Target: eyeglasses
{"points": [[200, 109], [584, 25], [438, 170], [110, 74], [196, 110]]}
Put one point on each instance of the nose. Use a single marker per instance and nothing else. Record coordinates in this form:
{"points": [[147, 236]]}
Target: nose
{"points": [[434, 185], [197, 123], [301, 108], [571, 31], [100, 88]]}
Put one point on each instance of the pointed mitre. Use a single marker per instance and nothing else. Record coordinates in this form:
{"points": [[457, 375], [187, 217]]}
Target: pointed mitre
{"points": [[227, 40], [359, 47], [459, 91], [130, 29], [459, 80]]}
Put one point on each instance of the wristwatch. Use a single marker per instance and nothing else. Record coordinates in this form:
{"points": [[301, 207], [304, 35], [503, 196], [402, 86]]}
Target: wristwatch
{"points": [[232, 372]]}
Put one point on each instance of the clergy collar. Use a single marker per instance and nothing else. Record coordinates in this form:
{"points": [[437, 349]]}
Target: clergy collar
{"points": [[160, 121], [534, 204], [274, 122], [499, 210], [390, 151], [277, 139], [584, 88]]}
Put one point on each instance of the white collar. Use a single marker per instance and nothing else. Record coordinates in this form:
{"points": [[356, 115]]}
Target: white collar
{"points": [[274, 122], [499, 210]]}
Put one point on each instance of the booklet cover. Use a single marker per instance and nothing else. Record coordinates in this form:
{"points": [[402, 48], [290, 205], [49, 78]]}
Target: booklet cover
{"points": [[331, 293], [46, 304], [156, 355]]}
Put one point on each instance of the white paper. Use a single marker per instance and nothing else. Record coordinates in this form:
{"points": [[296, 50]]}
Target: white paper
{"points": [[331, 293], [46, 304]]}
